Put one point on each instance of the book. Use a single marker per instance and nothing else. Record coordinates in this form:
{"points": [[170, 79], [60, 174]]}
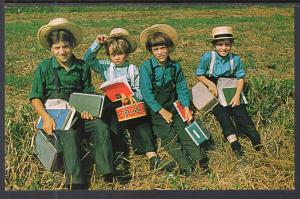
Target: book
{"points": [[48, 151], [198, 132], [202, 98], [62, 117], [227, 89], [87, 102], [114, 89], [180, 110]]}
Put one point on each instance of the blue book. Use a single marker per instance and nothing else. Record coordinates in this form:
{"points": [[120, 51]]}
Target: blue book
{"points": [[62, 117]]}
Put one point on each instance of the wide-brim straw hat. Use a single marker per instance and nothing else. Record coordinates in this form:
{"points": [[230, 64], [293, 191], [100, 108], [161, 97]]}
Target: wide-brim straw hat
{"points": [[123, 34], [59, 24], [221, 32], [164, 28]]}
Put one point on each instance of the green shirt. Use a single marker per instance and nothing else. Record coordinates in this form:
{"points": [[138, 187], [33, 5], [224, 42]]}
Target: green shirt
{"points": [[162, 77], [76, 79]]}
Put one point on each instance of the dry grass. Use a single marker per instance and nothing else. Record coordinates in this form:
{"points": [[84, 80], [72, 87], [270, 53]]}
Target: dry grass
{"points": [[264, 37]]}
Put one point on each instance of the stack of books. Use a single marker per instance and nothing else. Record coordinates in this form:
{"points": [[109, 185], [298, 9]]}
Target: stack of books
{"points": [[227, 89], [62, 113], [202, 98]]}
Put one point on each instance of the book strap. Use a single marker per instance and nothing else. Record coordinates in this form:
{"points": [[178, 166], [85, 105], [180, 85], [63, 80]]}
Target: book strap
{"points": [[56, 79], [212, 63]]}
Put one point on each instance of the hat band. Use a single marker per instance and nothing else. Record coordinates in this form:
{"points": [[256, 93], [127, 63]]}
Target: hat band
{"points": [[223, 35]]}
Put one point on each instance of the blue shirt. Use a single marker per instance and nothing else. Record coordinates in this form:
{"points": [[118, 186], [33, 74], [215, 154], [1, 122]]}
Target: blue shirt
{"points": [[162, 76], [221, 66], [102, 67]]}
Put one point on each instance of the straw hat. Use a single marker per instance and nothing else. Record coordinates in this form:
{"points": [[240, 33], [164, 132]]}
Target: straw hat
{"points": [[123, 34], [222, 32], [164, 28], [57, 24]]}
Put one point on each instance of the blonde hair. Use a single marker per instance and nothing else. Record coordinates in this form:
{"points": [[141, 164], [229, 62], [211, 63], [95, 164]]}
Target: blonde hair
{"points": [[118, 45]]}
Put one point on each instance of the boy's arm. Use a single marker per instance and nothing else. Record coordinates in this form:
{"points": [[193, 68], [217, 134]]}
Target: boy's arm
{"points": [[201, 71], [211, 86], [90, 56], [48, 121], [235, 101], [181, 87], [147, 89]]}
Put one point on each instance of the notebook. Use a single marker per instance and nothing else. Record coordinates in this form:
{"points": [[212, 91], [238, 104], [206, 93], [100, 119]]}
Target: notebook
{"points": [[87, 102]]}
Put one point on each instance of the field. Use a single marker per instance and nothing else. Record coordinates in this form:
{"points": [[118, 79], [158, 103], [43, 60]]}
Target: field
{"points": [[265, 42]]}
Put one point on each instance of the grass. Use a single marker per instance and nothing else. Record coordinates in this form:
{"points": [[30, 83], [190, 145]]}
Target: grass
{"points": [[264, 36]]}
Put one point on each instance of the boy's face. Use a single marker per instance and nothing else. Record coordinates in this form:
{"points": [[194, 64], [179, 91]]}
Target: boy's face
{"points": [[62, 51], [117, 58], [161, 53], [223, 47]]}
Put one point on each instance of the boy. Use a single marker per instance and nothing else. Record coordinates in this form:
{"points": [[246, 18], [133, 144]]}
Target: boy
{"points": [[118, 46], [56, 78], [233, 118], [162, 82]]}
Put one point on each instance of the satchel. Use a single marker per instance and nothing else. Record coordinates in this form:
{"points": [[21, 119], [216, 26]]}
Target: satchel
{"points": [[48, 151], [133, 110]]}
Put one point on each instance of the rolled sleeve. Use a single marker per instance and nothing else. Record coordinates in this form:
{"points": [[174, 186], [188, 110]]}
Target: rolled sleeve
{"points": [[240, 72], [90, 56], [203, 64], [147, 89], [38, 87], [181, 88]]}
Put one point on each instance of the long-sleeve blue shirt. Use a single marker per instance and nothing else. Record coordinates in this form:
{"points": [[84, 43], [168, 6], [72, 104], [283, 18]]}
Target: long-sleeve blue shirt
{"points": [[221, 66], [162, 76], [102, 67]]}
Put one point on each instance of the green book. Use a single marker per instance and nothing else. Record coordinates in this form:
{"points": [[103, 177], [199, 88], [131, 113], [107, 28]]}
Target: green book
{"points": [[229, 94], [87, 102]]}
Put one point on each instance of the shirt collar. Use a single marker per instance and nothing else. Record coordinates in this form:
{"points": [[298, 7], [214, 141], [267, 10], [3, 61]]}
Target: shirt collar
{"points": [[156, 64], [223, 60], [126, 64], [55, 63]]}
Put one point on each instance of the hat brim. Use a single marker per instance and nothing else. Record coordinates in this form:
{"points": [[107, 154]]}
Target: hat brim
{"points": [[219, 38], [164, 28], [132, 43], [45, 30]]}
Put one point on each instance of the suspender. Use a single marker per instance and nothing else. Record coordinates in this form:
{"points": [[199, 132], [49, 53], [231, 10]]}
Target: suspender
{"points": [[56, 79], [212, 63], [130, 70]]}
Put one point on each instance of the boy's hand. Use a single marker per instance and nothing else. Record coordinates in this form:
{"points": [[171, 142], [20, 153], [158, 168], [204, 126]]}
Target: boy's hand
{"points": [[166, 115], [101, 38], [235, 101], [212, 88], [188, 114], [124, 99], [48, 124], [86, 115]]}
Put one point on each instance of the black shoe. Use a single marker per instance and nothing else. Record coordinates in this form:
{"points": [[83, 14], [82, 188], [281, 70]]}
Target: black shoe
{"points": [[109, 178], [155, 163], [187, 171], [239, 154], [204, 165]]}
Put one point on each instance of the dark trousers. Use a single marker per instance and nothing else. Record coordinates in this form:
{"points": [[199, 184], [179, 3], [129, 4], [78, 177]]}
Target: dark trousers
{"points": [[98, 133], [176, 141], [140, 132], [235, 120]]}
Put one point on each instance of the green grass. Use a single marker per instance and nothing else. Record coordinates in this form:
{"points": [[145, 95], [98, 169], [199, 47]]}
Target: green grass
{"points": [[264, 36]]}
